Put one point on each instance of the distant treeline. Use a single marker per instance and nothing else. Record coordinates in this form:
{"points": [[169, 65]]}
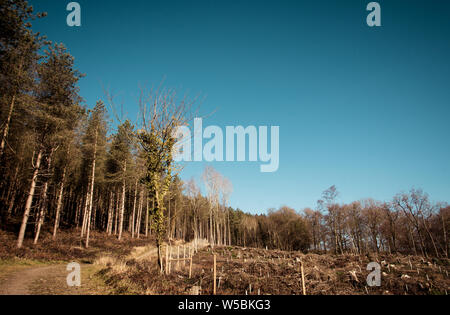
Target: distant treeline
{"points": [[410, 224], [65, 166]]}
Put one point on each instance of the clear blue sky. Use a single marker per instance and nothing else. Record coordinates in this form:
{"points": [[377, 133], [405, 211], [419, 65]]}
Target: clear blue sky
{"points": [[365, 109]]}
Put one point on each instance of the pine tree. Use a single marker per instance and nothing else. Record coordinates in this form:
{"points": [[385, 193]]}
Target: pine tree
{"points": [[56, 103], [19, 47], [94, 149], [120, 164]]}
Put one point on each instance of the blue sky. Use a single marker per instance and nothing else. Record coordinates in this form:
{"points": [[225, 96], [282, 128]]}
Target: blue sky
{"points": [[365, 109]]}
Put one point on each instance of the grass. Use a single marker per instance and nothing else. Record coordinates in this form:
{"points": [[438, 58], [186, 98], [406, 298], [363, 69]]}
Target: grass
{"points": [[25, 262]]}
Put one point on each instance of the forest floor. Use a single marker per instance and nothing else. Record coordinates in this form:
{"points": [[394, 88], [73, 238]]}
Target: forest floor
{"points": [[130, 267]]}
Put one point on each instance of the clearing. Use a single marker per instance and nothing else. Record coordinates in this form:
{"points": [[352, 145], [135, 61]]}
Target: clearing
{"points": [[130, 267]]}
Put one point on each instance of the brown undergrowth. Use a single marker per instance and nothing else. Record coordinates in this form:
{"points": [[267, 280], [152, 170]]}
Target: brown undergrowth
{"points": [[68, 246], [250, 271], [127, 269]]}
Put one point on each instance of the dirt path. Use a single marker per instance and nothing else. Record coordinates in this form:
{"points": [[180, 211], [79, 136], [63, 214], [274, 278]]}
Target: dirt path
{"points": [[19, 282], [50, 280]]}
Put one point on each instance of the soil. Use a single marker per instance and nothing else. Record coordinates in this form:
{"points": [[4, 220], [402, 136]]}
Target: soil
{"points": [[50, 280], [19, 282]]}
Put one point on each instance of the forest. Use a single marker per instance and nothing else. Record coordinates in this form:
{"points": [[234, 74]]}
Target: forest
{"points": [[75, 166]]}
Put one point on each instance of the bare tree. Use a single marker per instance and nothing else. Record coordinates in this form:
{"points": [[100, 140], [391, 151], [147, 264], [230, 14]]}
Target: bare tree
{"points": [[413, 205], [329, 200], [161, 114]]}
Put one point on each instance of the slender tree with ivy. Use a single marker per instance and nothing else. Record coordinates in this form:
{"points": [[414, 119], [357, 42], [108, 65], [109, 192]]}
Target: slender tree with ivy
{"points": [[161, 115], [158, 177]]}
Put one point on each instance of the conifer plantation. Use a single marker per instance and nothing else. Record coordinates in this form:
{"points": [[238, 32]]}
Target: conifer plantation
{"points": [[75, 170]]}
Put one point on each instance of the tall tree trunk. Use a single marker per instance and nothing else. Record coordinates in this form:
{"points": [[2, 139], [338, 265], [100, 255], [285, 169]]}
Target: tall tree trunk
{"points": [[12, 202], [98, 200], [122, 207], [78, 211], [116, 210], [29, 199], [14, 188], [85, 210], [132, 226], [44, 199], [8, 121], [139, 216], [91, 193], [59, 203], [110, 213], [211, 238], [169, 230], [422, 242], [146, 217], [412, 239], [229, 228], [88, 227], [159, 227], [430, 236], [11, 110]]}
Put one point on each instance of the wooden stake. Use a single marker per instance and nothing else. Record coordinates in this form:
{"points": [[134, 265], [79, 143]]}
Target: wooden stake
{"points": [[162, 260], [303, 279], [178, 257], [214, 286], [190, 268]]}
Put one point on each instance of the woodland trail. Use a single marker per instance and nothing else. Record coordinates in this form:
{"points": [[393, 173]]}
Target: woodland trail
{"points": [[19, 282], [50, 280]]}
